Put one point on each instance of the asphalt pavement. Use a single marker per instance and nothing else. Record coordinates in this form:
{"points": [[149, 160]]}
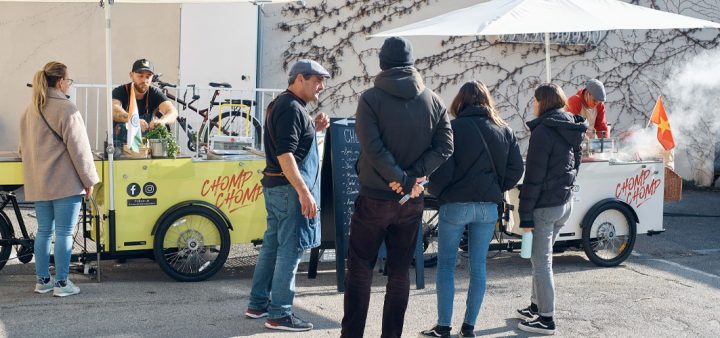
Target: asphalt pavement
{"points": [[669, 287]]}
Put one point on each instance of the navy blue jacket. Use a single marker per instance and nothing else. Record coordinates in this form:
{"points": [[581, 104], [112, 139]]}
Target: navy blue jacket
{"points": [[552, 162], [468, 175]]}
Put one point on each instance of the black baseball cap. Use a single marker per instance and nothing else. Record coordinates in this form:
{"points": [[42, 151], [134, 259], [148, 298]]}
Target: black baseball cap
{"points": [[143, 65]]}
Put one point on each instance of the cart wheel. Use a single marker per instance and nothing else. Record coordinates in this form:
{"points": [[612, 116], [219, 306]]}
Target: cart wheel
{"points": [[608, 235], [192, 244], [5, 233], [431, 215]]}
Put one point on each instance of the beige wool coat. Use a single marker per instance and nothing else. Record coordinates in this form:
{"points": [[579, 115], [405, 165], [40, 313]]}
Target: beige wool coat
{"points": [[51, 169]]}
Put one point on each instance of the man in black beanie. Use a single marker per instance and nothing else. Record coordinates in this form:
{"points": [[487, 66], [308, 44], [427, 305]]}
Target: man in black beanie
{"points": [[404, 135]]}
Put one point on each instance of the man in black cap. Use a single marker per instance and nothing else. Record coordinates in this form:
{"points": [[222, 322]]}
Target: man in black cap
{"points": [[589, 103], [404, 135], [291, 186], [153, 106]]}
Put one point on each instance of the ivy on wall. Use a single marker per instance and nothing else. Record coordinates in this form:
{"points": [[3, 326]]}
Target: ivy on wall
{"points": [[634, 65]]}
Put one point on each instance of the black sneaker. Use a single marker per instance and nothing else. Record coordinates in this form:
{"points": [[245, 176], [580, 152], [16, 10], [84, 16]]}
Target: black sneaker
{"points": [[288, 323], [467, 331], [437, 331], [538, 326], [255, 313], [526, 314]]}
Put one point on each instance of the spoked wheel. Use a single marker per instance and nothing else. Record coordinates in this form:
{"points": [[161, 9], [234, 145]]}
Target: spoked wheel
{"points": [[431, 215], [609, 233], [5, 234], [192, 244]]}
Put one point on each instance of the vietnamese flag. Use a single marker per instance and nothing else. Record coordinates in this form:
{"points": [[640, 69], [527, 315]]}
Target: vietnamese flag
{"points": [[659, 117]]}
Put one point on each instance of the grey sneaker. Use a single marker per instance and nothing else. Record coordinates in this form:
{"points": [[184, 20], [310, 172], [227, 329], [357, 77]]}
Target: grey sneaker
{"points": [[44, 285], [288, 323], [65, 288]]}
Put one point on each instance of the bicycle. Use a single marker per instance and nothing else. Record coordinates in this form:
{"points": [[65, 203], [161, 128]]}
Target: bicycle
{"points": [[229, 123], [24, 244]]}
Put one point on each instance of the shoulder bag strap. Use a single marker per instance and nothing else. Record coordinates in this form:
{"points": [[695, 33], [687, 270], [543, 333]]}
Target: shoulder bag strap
{"points": [[492, 162]]}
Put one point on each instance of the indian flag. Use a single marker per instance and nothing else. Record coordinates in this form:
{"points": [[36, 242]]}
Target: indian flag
{"points": [[134, 132]]}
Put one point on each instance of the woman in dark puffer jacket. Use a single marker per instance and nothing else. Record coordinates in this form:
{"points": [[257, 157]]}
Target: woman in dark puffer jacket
{"points": [[468, 190], [553, 160]]}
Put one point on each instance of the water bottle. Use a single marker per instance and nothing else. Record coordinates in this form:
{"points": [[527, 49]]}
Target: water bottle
{"points": [[526, 246]]}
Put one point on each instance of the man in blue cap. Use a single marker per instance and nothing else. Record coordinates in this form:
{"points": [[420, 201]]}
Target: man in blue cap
{"points": [[404, 135], [291, 187]]}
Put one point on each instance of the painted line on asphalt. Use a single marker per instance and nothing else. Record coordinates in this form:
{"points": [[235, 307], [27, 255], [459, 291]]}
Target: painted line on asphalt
{"points": [[677, 265], [706, 251]]}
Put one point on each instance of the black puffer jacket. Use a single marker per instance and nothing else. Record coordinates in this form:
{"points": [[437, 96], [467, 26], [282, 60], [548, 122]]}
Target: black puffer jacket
{"points": [[553, 159], [404, 133], [468, 175]]}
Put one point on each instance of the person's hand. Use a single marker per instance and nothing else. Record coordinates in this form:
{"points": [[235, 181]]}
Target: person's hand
{"points": [[322, 121], [396, 187], [308, 207], [154, 123], [417, 190], [88, 192], [528, 229], [143, 125]]}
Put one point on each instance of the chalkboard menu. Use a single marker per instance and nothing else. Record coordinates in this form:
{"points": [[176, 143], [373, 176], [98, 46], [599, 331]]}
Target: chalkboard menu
{"points": [[340, 188]]}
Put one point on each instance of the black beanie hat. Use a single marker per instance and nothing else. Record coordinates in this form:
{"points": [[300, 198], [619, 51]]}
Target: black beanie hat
{"points": [[396, 52]]}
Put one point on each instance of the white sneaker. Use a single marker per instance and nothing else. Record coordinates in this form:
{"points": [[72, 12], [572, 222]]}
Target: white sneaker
{"points": [[41, 287], [68, 289]]}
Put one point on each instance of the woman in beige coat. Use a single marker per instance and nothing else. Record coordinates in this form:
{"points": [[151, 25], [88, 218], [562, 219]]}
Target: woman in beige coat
{"points": [[58, 170]]}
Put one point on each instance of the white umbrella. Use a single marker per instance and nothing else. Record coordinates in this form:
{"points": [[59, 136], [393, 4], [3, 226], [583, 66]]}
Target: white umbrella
{"points": [[499, 17], [107, 4]]}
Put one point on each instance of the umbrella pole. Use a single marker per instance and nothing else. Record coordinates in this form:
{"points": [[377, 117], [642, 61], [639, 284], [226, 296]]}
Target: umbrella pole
{"points": [[547, 57]]}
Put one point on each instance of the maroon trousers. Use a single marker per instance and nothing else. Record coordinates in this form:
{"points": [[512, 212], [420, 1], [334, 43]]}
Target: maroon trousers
{"points": [[373, 222]]}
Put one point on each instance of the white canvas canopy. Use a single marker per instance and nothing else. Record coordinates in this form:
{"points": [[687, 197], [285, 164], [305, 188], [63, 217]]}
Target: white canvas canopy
{"points": [[500, 17], [107, 4]]}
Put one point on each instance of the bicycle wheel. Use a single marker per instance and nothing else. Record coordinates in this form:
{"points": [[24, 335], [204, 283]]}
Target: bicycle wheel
{"points": [[233, 123], [5, 234], [431, 215], [192, 244]]}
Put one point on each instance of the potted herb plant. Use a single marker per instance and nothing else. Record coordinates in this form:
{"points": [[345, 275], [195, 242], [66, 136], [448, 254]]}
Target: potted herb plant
{"points": [[162, 142]]}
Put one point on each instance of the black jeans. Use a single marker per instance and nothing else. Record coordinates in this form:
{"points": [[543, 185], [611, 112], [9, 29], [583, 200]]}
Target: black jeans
{"points": [[373, 222]]}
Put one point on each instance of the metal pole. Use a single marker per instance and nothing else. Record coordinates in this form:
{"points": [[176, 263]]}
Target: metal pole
{"points": [[110, 139], [547, 57]]}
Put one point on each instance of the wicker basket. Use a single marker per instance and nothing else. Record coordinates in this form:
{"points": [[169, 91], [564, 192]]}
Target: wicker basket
{"points": [[673, 186]]}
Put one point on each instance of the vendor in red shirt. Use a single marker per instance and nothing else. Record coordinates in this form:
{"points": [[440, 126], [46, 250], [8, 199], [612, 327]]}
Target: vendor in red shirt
{"points": [[588, 103]]}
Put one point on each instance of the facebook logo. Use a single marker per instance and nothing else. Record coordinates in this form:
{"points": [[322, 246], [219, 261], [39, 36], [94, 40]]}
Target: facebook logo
{"points": [[133, 189]]}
